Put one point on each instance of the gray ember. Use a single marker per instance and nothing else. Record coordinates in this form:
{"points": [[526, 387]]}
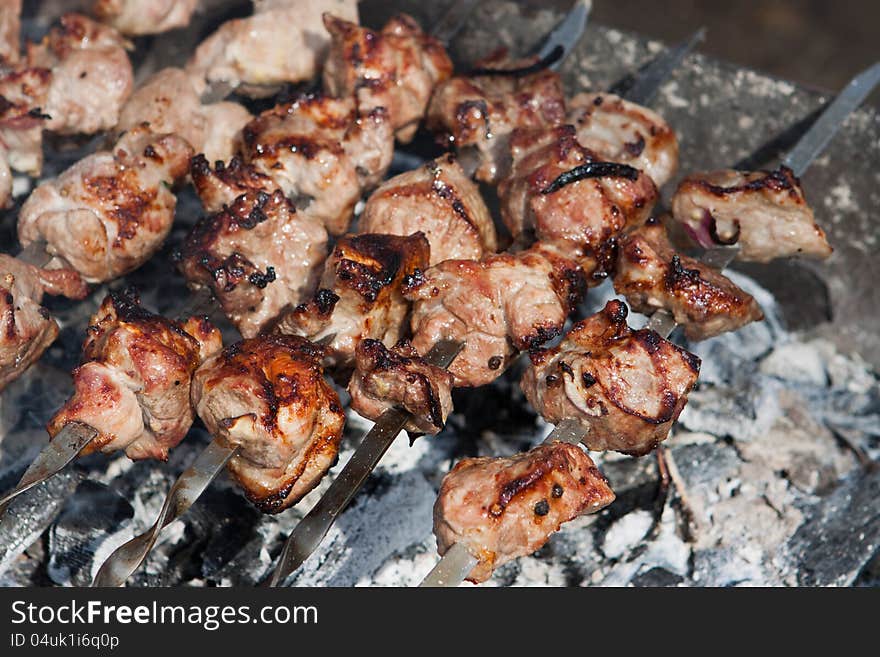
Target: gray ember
{"points": [[770, 471]]}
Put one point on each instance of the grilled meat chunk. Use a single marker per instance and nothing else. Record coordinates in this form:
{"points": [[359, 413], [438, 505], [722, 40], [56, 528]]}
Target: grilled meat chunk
{"points": [[496, 306], [26, 328], [283, 41], [505, 508], [10, 29], [23, 94], [133, 385], [220, 186], [360, 294], [620, 131], [268, 397], [257, 255], [626, 386], [764, 212], [321, 153], [579, 218], [399, 378], [439, 200], [91, 75], [396, 68], [137, 17], [110, 212], [652, 276], [169, 101], [477, 113]]}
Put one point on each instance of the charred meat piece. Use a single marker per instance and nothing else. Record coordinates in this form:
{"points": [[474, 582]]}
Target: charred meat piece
{"points": [[620, 131], [169, 101], [133, 385], [137, 17], [626, 386], [579, 215], [220, 186], [360, 294], [477, 113], [399, 378], [396, 68], [505, 508], [283, 41], [91, 75], [110, 212], [23, 94], [10, 30], [321, 153], [496, 306], [653, 276], [439, 200], [26, 328], [257, 255], [268, 397], [764, 212]]}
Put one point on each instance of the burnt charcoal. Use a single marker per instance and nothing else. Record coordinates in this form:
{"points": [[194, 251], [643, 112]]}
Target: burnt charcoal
{"points": [[842, 536], [657, 577]]}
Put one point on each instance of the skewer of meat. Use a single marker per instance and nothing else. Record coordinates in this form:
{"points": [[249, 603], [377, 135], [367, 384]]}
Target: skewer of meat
{"points": [[276, 425], [575, 385], [131, 390], [765, 213]]}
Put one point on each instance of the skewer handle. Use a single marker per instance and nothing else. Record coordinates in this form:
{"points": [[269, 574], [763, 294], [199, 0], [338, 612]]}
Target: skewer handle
{"points": [[186, 490], [54, 457], [452, 569]]}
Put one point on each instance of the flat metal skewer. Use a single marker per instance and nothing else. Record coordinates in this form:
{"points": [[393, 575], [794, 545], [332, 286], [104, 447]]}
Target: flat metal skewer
{"points": [[312, 529], [830, 121], [53, 458], [565, 36], [647, 82], [128, 557]]}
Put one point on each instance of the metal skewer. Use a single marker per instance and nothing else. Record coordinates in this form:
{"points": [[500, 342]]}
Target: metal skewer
{"points": [[53, 458], [35, 253], [643, 87], [310, 531], [125, 559], [566, 35]]}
